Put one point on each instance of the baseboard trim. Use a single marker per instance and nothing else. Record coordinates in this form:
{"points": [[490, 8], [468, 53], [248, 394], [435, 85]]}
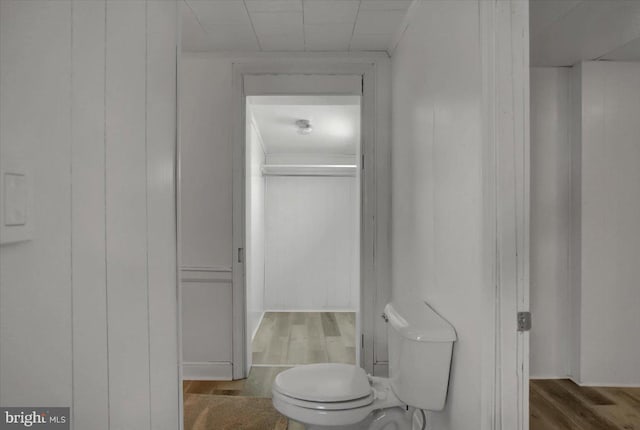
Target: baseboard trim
{"points": [[598, 384], [613, 384], [207, 371], [312, 310], [255, 330], [532, 377], [277, 365]]}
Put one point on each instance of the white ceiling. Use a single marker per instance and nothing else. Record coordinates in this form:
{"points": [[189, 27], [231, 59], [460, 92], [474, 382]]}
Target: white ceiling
{"points": [[291, 25], [335, 121], [565, 32]]}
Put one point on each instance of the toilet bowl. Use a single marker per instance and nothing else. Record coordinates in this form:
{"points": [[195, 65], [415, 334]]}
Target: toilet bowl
{"points": [[343, 396]]}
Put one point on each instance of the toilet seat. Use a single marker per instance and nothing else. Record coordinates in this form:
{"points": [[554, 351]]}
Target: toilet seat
{"points": [[325, 406], [324, 383], [330, 394]]}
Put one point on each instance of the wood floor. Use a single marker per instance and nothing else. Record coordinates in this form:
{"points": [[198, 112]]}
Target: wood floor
{"points": [[291, 338], [285, 339], [258, 384], [560, 404]]}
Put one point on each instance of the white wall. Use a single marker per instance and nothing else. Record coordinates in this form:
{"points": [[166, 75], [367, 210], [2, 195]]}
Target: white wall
{"points": [[437, 186], [550, 222], [88, 307], [311, 236], [610, 210], [255, 228]]}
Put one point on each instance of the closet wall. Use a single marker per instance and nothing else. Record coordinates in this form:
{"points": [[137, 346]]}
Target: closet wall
{"points": [[311, 238], [550, 221]]}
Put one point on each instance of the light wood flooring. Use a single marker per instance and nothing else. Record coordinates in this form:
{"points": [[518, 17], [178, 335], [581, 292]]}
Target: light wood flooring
{"points": [[290, 338], [560, 404], [283, 340]]}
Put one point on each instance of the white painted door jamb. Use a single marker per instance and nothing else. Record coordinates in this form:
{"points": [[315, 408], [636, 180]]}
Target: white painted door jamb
{"points": [[505, 68], [368, 189]]}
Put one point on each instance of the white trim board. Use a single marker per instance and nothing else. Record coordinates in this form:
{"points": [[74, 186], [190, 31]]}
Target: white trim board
{"points": [[320, 57], [276, 365], [309, 170], [547, 377], [598, 384], [504, 41], [286, 84], [207, 371], [205, 269], [588, 384], [313, 310]]}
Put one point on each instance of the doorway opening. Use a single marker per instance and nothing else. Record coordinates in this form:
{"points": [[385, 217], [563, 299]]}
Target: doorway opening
{"points": [[585, 99], [302, 231]]}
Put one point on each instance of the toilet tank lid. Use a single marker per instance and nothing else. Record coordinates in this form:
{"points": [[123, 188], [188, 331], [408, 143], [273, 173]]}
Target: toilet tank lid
{"points": [[417, 321]]}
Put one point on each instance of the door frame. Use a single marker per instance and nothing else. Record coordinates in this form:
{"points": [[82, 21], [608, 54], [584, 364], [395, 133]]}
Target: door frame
{"points": [[367, 188], [504, 44]]}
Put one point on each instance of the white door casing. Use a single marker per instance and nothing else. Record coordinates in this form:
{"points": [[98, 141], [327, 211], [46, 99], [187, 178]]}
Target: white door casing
{"points": [[270, 78], [505, 68]]}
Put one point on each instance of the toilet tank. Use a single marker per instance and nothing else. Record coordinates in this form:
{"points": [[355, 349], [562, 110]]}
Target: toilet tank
{"points": [[420, 349]]}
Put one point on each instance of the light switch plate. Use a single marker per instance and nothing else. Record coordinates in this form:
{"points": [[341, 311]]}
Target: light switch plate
{"points": [[15, 199], [16, 216]]}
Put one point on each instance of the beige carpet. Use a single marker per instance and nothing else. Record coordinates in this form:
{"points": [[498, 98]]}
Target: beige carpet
{"points": [[213, 412]]}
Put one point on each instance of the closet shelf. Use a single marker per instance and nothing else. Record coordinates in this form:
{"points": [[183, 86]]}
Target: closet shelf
{"points": [[309, 170]]}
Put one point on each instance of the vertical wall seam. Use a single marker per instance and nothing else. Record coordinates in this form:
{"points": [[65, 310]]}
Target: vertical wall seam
{"points": [[177, 215], [71, 254], [253, 27], [304, 33], [0, 153], [146, 172], [353, 30], [106, 263]]}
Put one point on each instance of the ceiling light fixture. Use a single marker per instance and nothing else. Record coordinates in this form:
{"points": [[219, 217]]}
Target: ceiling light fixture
{"points": [[304, 126]]}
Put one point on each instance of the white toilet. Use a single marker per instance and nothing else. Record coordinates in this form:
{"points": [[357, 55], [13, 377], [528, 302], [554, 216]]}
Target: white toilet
{"points": [[343, 396]]}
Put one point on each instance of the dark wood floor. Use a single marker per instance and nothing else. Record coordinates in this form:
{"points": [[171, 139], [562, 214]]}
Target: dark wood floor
{"points": [[258, 384], [560, 404]]}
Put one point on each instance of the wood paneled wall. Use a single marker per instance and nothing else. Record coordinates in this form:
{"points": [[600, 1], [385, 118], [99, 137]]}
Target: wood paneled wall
{"points": [[88, 307]]}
